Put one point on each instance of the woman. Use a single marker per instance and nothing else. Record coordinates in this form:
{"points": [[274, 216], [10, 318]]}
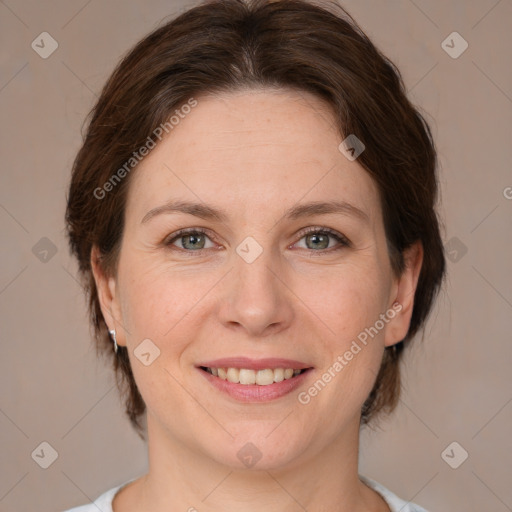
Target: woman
{"points": [[253, 212]]}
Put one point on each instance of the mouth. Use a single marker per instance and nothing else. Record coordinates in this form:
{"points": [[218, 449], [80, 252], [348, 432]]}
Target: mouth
{"points": [[249, 380], [248, 376]]}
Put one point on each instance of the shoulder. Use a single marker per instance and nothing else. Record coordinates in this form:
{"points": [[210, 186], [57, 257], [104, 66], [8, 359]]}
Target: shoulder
{"points": [[395, 503], [102, 504]]}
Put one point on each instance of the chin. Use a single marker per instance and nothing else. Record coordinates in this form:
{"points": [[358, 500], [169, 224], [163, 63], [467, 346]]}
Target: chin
{"points": [[258, 451]]}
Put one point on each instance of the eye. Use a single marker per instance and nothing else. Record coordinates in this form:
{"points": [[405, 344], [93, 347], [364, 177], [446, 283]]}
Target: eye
{"points": [[193, 239], [319, 239]]}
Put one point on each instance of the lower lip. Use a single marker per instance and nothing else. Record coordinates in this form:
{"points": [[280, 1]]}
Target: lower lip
{"points": [[255, 392]]}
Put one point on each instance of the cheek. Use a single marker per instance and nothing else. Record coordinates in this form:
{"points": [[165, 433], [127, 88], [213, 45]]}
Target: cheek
{"points": [[155, 299], [346, 302], [349, 309], [156, 307]]}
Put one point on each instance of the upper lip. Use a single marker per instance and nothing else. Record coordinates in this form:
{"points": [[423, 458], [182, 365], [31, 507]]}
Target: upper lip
{"points": [[255, 364]]}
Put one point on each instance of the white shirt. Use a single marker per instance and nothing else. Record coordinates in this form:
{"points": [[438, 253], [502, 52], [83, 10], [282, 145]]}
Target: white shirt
{"points": [[104, 502]]}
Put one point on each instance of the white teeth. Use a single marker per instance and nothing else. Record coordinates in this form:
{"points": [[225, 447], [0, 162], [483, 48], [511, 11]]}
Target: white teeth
{"points": [[233, 375], [247, 376], [260, 377], [265, 377], [278, 375]]}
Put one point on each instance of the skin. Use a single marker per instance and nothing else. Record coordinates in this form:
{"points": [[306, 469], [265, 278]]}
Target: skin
{"points": [[253, 154]]}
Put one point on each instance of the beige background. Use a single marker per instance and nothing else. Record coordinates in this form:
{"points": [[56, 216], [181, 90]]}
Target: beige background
{"points": [[458, 385]]}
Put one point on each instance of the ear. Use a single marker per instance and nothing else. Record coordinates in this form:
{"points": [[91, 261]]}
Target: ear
{"points": [[403, 294], [109, 302]]}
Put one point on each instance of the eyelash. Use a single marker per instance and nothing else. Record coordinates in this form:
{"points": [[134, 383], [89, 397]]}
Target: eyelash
{"points": [[343, 241]]}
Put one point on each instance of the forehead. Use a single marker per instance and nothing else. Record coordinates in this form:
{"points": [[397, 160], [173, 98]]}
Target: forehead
{"points": [[257, 150]]}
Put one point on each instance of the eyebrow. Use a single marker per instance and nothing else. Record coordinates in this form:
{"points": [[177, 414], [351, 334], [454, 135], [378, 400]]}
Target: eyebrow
{"points": [[207, 212]]}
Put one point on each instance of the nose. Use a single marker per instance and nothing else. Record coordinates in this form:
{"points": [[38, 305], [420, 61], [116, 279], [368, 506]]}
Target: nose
{"points": [[257, 300]]}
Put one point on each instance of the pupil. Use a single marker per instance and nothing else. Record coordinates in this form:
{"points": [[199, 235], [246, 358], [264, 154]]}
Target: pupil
{"points": [[317, 237], [194, 239]]}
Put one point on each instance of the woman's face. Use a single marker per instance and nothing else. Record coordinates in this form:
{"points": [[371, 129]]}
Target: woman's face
{"points": [[253, 284]]}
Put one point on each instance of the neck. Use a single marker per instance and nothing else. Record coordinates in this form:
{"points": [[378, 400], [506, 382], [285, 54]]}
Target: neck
{"points": [[182, 478]]}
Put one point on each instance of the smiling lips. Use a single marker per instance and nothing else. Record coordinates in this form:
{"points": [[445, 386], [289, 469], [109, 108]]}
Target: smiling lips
{"points": [[245, 378]]}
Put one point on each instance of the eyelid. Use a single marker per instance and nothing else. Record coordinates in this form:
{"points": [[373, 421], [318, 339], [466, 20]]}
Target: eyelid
{"points": [[187, 231], [322, 229]]}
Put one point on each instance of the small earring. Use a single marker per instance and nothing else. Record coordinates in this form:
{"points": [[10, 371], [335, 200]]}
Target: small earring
{"points": [[113, 336]]}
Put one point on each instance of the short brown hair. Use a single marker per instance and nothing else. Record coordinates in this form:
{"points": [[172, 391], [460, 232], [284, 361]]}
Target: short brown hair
{"points": [[227, 45]]}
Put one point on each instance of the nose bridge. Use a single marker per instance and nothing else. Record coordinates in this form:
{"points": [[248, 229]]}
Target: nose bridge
{"points": [[254, 268], [257, 297], [254, 272]]}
